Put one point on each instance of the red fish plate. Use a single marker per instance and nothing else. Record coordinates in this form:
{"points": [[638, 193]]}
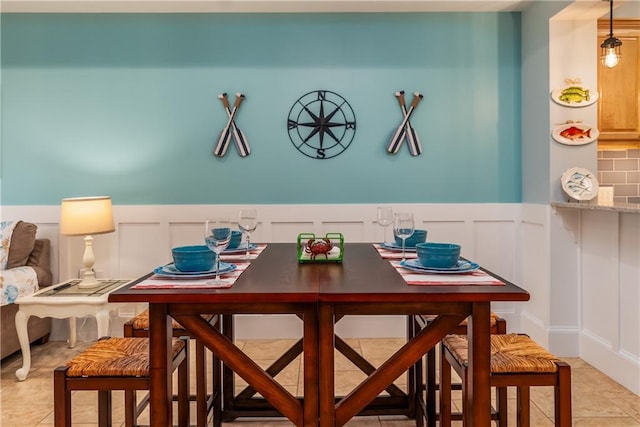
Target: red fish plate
{"points": [[575, 134]]}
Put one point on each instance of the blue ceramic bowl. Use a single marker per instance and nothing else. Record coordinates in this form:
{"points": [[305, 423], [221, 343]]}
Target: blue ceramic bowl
{"points": [[438, 255], [418, 236], [193, 258], [236, 238]]}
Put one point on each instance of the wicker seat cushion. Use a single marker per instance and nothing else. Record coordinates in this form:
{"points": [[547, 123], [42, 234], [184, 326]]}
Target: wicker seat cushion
{"points": [[510, 354], [115, 357], [141, 321]]}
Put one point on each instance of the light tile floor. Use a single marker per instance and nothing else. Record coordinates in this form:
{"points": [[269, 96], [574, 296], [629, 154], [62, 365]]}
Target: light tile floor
{"points": [[597, 400]]}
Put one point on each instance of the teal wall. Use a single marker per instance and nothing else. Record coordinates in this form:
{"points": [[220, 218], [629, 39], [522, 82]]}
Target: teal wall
{"points": [[536, 111], [126, 105]]}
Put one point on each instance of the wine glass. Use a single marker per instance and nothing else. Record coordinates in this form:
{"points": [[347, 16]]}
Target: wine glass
{"points": [[247, 222], [385, 219], [403, 227], [217, 234]]}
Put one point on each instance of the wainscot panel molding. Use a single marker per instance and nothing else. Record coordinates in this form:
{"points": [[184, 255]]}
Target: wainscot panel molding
{"points": [[535, 271], [145, 235], [606, 248]]}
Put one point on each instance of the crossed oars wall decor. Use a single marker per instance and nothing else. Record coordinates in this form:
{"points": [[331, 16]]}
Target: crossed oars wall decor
{"points": [[405, 130], [231, 130]]}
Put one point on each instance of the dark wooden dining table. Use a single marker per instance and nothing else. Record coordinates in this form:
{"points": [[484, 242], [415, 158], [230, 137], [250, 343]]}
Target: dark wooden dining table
{"points": [[320, 294]]}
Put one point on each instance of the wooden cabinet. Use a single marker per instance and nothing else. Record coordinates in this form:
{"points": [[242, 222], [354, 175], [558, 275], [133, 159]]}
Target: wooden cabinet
{"points": [[619, 87]]}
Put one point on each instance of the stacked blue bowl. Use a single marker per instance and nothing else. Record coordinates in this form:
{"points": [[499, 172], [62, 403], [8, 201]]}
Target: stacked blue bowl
{"points": [[236, 238], [438, 255], [193, 258], [418, 236]]}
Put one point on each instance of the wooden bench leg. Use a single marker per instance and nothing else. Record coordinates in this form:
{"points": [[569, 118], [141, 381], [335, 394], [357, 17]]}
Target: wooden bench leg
{"points": [[104, 408], [183, 388], [430, 386], [201, 385], [465, 410], [217, 390], [62, 401], [415, 384], [562, 396], [130, 408], [501, 406], [524, 406], [445, 390]]}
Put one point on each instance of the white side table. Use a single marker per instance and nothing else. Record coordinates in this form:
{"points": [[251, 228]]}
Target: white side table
{"points": [[65, 301]]}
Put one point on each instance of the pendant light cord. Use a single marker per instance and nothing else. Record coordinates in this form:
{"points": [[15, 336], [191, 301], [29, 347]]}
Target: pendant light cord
{"points": [[610, 18]]}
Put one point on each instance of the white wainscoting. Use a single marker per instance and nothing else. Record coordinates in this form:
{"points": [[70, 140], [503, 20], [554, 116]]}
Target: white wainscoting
{"points": [[145, 235], [597, 265]]}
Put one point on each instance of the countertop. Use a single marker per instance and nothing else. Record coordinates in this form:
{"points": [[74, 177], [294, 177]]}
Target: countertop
{"points": [[616, 207]]}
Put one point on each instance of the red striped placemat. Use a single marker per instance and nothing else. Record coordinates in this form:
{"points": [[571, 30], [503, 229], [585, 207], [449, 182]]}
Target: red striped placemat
{"points": [[253, 253], [159, 282], [476, 277], [391, 254]]}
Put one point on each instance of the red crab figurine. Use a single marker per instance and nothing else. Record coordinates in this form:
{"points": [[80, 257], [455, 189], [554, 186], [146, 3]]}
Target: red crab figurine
{"points": [[317, 247]]}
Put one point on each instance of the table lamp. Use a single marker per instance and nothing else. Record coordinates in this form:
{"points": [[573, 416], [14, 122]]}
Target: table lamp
{"points": [[83, 216]]}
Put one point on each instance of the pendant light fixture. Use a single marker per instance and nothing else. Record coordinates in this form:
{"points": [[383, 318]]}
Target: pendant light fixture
{"points": [[610, 55]]}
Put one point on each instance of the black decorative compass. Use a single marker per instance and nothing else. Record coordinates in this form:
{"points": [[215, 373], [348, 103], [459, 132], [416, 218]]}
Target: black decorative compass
{"points": [[321, 124]]}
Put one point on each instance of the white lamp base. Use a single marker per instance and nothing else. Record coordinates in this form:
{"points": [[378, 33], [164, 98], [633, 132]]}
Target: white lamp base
{"points": [[89, 278]]}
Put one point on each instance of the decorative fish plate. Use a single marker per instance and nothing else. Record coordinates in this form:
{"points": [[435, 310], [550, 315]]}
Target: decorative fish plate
{"points": [[580, 184], [575, 134], [574, 95]]}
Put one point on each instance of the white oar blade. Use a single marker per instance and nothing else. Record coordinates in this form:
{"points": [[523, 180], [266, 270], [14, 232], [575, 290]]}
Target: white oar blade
{"points": [[241, 142], [223, 143], [415, 147]]}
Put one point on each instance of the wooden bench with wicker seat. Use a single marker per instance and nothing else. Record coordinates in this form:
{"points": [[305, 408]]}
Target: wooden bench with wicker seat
{"points": [[117, 364], [426, 388], [138, 326], [516, 361]]}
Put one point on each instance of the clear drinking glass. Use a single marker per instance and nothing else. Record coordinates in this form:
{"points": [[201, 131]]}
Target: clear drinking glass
{"points": [[385, 218], [217, 234], [247, 222], [403, 227]]}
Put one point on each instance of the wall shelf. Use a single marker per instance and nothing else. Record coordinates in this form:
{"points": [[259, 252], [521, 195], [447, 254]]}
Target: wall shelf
{"points": [[616, 207]]}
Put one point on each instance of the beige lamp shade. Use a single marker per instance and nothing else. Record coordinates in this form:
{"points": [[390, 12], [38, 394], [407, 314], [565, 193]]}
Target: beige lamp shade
{"points": [[86, 215]]}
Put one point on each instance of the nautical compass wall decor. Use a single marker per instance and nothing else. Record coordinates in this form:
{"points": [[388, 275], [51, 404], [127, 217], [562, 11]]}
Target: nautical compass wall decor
{"points": [[321, 124]]}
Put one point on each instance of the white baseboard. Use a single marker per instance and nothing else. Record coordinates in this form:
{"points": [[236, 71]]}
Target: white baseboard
{"points": [[622, 368], [534, 327], [564, 342]]}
